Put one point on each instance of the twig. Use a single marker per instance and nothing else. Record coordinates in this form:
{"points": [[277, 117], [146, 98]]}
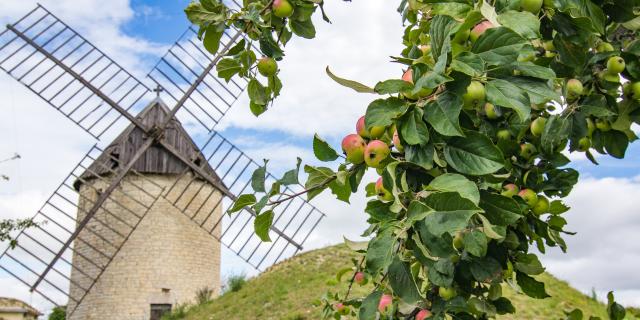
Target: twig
{"points": [[353, 278]]}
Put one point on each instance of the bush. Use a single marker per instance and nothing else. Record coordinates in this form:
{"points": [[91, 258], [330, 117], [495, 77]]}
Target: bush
{"points": [[204, 295], [179, 312], [58, 313], [236, 282]]}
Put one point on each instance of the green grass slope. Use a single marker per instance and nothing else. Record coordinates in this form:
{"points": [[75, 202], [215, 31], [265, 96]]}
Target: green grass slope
{"points": [[287, 291]]}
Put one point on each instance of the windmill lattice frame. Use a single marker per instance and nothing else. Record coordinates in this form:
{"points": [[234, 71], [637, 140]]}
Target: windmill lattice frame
{"points": [[96, 93]]}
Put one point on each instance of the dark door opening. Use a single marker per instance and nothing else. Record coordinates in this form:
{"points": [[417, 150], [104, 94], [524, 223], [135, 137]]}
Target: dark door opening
{"points": [[158, 310]]}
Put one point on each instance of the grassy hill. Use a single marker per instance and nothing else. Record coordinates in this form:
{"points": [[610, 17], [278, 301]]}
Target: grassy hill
{"points": [[286, 292]]}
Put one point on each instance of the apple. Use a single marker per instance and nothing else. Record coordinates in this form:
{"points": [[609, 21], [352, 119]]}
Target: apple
{"points": [[267, 66], [615, 65], [603, 125], [383, 194], [491, 111], [462, 36], [458, 241], [532, 6], [634, 89], [584, 144], [604, 47], [475, 95], [548, 4], [360, 278], [537, 126], [385, 303], [425, 48], [282, 8], [354, 147], [424, 92], [423, 314], [548, 46], [407, 76], [510, 190], [529, 196], [374, 133], [446, 293], [574, 89], [541, 206], [527, 150], [591, 127], [396, 142], [376, 152], [339, 307], [511, 240], [479, 29], [504, 134]]}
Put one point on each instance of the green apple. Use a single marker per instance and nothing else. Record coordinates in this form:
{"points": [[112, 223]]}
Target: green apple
{"points": [[504, 134], [609, 77], [376, 152], [591, 127], [267, 66], [529, 196], [584, 144], [537, 126], [634, 90], [541, 206], [475, 95], [447, 293], [511, 240], [383, 194], [604, 47], [510, 190], [462, 36], [527, 150], [603, 125], [458, 241], [532, 6], [615, 64], [396, 142], [574, 89], [282, 8], [479, 29], [491, 111], [548, 46], [353, 146]]}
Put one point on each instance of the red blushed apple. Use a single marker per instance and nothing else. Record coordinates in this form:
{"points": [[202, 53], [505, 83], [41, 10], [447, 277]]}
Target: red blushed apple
{"points": [[408, 76], [360, 278], [374, 133], [423, 314], [479, 29], [282, 8], [353, 146], [376, 152], [383, 194], [385, 303], [529, 196], [510, 190]]}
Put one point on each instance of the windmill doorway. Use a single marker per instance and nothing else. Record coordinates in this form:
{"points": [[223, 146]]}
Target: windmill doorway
{"points": [[158, 310]]}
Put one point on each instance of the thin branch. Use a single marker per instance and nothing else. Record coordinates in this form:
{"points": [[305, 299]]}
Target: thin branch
{"points": [[353, 277]]}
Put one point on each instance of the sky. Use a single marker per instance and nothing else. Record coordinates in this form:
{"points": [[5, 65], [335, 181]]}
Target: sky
{"points": [[603, 255]]}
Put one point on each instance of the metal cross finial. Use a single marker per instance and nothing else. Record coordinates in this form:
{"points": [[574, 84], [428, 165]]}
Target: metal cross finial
{"points": [[157, 90]]}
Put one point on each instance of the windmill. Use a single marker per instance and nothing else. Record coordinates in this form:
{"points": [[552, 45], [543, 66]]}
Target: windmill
{"points": [[137, 225]]}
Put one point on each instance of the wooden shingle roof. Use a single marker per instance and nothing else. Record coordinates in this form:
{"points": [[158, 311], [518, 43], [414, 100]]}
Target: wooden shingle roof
{"points": [[156, 159]]}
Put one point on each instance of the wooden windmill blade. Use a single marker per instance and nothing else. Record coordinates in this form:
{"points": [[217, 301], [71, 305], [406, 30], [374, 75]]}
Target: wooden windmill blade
{"points": [[68, 72]]}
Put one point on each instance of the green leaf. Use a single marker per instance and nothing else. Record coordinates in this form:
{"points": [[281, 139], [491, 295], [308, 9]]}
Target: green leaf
{"points": [[359, 246], [291, 177], [322, 150], [357, 86], [442, 272], [451, 212], [420, 155], [402, 282], [486, 269], [500, 210], [198, 14], [303, 29], [212, 38], [556, 131], [417, 211], [614, 310], [262, 224], [498, 46], [430, 80], [369, 308], [444, 113], [529, 264], [616, 143], [522, 22], [383, 112], [244, 200], [227, 68], [413, 129], [482, 306], [342, 191], [392, 86], [538, 91], [475, 242], [318, 176], [557, 207], [474, 154], [440, 31], [380, 252], [585, 13], [468, 63], [456, 183], [490, 230], [258, 177], [505, 94], [531, 286], [534, 70], [257, 92]]}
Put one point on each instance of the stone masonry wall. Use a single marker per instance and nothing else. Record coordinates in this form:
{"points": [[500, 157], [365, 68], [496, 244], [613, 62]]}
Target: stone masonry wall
{"points": [[165, 260]]}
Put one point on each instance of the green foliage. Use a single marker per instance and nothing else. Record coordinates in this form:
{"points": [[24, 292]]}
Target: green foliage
{"points": [[58, 313], [236, 282], [8, 227], [204, 295], [448, 164]]}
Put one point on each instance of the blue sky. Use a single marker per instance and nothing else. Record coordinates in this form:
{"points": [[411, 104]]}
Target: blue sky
{"points": [[137, 32]]}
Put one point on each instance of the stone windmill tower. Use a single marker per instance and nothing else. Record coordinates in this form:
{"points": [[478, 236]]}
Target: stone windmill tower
{"points": [[169, 258], [137, 226]]}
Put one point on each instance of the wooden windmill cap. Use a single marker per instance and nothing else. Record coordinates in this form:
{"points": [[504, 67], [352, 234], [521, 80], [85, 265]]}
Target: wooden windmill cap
{"points": [[156, 160]]}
